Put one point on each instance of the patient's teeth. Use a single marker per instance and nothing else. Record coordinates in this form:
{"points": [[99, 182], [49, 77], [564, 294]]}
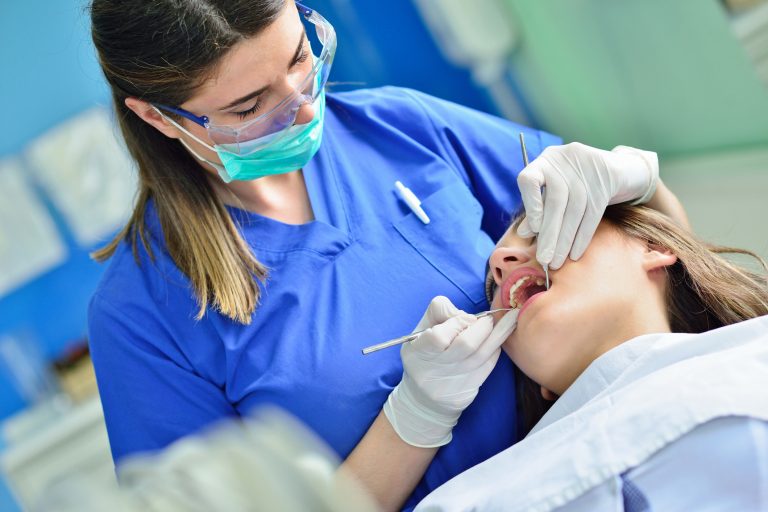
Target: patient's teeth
{"points": [[512, 299], [514, 288]]}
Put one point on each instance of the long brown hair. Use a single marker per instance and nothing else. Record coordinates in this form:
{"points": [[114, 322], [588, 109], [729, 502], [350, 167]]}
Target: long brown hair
{"points": [[705, 290], [161, 52]]}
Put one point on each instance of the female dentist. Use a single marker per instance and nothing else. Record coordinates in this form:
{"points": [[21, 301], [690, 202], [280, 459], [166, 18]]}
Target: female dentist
{"points": [[258, 261]]}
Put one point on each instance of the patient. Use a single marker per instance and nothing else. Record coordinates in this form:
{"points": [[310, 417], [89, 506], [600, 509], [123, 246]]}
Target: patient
{"points": [[626, 412]]}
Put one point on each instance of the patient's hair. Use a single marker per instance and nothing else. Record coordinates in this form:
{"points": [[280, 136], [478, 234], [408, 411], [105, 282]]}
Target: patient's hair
{"points": [[705, 290]]}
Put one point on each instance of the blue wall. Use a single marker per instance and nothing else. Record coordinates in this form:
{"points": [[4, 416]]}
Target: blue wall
{"points": [[49, 74], [50, 71]]}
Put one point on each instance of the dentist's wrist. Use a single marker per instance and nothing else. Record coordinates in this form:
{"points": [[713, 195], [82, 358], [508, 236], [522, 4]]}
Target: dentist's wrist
{"points": [[415, 423], [639, 176]]}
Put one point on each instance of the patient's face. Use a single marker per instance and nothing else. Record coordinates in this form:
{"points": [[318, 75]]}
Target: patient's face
{"points": [[592, 304]]}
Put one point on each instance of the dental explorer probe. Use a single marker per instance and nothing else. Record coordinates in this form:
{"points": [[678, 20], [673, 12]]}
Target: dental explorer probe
{"points": [[414, 335], [525, 163]]}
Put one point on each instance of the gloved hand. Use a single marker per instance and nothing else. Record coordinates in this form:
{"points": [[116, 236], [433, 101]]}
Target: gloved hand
{"points": [[442, 371], [580, 182]]}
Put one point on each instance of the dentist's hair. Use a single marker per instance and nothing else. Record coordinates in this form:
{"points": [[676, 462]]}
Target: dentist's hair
{"points": [[704, 290], [160, 52]]}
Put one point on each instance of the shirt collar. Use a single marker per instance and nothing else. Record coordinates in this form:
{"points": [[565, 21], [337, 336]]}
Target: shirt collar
{"points": [[598, 377]]}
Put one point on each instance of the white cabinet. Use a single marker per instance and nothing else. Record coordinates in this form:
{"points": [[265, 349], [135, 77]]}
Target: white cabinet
{"points": [[70, 443]]}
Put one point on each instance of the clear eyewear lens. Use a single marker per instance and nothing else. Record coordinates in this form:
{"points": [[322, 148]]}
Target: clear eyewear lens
{"points": [[283, 116]]}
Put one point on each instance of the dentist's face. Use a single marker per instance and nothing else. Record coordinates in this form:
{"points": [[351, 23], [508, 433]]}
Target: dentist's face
{"points": [[253, 78], [587, 311]]}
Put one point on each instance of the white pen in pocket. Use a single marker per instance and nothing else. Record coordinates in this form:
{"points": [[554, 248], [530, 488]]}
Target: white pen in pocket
{"points": [[412, 201]]}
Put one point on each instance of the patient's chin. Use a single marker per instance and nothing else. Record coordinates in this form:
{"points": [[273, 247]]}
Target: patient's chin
{"points": [[512, 341], [507, 347], [548, 395]]}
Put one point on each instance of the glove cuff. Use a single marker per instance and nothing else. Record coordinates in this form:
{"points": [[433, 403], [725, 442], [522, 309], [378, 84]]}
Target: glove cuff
{"points": [[415, 424], [629, 191]]}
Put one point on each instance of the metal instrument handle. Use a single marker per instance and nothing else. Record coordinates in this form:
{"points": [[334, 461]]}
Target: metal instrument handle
{"points": [[413, 336]]}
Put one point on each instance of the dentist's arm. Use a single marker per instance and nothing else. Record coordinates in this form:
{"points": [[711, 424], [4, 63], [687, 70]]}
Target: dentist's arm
{"points": [[666, 202], [387, 467], [442, 372]]}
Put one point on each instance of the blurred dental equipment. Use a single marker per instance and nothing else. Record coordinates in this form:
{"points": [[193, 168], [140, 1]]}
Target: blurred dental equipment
{"points": [[23, 362], [481, 36], [525, 162], [414, 335], [263, 463]]}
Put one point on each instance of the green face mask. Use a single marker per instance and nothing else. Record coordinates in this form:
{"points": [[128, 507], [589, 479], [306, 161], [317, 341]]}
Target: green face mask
{"points": [[290, 151], [284, 152]]}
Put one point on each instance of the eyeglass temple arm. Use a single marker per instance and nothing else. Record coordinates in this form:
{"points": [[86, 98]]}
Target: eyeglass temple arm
{"points": [[201, 120], [303, 9]]}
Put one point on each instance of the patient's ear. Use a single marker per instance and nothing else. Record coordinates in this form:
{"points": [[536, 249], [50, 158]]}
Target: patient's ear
{"points": [[657, 257]]}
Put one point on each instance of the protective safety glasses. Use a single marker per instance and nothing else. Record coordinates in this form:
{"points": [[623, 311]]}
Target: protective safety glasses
{"points": [[271, 125]]}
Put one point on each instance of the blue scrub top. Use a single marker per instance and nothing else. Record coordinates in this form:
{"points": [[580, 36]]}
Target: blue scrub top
{"points": [[363, 272]]}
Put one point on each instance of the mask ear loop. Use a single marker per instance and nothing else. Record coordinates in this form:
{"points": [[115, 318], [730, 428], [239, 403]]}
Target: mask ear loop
{"points": [[219, 168], [183, 130]]}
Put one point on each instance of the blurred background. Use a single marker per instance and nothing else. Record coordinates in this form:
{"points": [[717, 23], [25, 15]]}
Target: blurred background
{"points": [[686, 79]]}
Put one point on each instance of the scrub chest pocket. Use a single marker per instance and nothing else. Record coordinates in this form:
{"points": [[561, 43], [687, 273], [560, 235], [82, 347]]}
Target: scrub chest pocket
{"points": [[453, 242]]}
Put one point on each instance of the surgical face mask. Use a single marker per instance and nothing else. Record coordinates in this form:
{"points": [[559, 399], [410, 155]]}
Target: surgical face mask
{"points": [[279, 153], [290, 151]]}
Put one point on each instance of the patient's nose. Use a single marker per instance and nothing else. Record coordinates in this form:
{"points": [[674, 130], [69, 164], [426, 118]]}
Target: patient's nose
{"points": [[506, 259]]}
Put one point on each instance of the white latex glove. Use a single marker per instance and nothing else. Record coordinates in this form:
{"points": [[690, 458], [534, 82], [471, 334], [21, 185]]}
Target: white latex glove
{"points": [[580, 182], [442, 371]]}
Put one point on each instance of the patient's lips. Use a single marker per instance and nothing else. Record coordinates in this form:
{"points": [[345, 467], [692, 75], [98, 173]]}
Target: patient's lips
{"points": [[521, 286]]}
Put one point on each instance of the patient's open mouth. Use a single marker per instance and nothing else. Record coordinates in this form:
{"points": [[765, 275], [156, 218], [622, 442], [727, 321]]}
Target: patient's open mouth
{"points": [[524, 289], [521, 286]]}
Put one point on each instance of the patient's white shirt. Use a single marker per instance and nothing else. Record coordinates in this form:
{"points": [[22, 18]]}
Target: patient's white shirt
{"points": [[677, 421], [721, 465]]}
